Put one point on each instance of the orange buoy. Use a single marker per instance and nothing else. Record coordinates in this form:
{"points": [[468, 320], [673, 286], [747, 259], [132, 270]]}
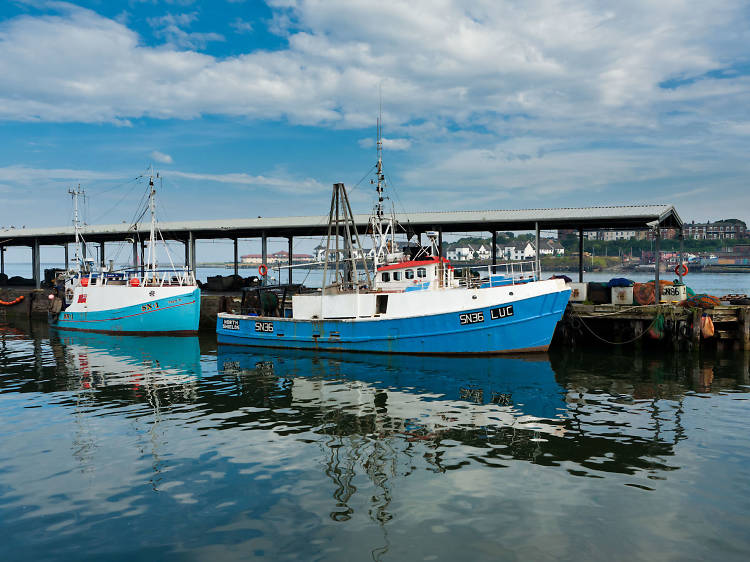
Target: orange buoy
{"points": [[263, 270], [84, 281], [11, 303], [134, 282]]}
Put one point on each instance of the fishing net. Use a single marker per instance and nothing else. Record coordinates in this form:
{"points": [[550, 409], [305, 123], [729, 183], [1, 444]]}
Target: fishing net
{"points": [[701, 300], [643, 293]]}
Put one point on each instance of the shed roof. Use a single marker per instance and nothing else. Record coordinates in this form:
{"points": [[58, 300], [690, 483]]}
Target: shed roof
{"points": [[588, 218]]}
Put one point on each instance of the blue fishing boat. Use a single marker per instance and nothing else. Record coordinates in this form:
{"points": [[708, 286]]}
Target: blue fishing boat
{"points": [[145, 300], [411, 303]]}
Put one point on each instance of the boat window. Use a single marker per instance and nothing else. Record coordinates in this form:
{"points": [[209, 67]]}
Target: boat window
{"points": [[397, 276], [421, 272], [409, 274], [385, 276], [381, 304]]}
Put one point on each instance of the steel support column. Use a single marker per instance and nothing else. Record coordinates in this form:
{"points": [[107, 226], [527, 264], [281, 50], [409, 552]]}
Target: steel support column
{"points": [[101, 254], [191, 242], [440, 242], [291, 258], [657, 264], [2, 259], [494, 247], [143, 253], [135, 254], [264, 255], [67, 259], [537, 265], [35, 263], [236, 256], [580, 254]]}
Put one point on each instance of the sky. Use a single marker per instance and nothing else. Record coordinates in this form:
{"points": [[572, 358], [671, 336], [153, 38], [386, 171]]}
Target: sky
{"points": [[251, 108]]}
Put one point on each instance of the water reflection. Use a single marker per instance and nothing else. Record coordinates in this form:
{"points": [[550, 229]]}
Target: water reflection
{"points": [[280, 451]]}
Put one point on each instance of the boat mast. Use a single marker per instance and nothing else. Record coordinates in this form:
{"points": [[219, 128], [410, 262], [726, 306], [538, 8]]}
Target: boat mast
{"points": [[152, 235], [76, 192], [382, 229]]}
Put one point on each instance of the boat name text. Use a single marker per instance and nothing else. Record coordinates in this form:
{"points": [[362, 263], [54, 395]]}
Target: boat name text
{"points": [[501, 312], [230, 324]]}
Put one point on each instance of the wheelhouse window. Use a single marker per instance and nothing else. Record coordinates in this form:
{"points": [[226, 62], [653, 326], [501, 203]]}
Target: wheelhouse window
{"points": [[385, 276], [397, 276], [409, 274], [422, 272]]}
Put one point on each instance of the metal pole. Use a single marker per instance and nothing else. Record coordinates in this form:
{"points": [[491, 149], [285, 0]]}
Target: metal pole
{"points": [[682, 249], [193, 258], [538, 252], [66, 256], [291, 258], [2, 258], [101, 254], [143, 253], [580, 254], [440, 242], [135, 254], [494, 247], [657, 264], [35, 263], [187, 253], [236, 262], [264, 255]]}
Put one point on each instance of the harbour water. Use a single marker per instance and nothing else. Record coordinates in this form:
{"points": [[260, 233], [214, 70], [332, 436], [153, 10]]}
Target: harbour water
{"points": [[171, 448]]}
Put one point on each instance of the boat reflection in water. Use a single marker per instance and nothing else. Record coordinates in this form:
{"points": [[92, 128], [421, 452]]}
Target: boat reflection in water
{"points": [[415, 395], [100, 360]]}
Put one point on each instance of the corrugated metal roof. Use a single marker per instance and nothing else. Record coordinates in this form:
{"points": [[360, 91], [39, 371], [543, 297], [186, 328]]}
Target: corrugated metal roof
{"points": [[590, 218]]}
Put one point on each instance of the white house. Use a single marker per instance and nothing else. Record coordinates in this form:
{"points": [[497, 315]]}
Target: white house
{"points": [[460, 254], [483, 253], [551, 247], [520, 250]]}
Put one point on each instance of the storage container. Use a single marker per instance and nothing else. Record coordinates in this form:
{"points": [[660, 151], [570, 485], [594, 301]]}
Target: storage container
{"points": [[622, 295], [578, 292]]}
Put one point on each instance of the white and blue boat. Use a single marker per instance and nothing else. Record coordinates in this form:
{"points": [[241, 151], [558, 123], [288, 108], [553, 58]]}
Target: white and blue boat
{"points": [[412, 304], [145, 300]]}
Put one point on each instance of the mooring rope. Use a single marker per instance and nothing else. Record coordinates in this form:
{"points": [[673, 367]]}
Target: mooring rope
{"points": [[639, 336]]}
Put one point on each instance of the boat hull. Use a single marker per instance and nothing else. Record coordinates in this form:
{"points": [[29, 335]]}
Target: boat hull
{"points": [[528, 325], [175, 314]]}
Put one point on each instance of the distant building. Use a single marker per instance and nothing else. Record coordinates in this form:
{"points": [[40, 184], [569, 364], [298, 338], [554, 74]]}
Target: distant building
{"points": [[718, 230]]}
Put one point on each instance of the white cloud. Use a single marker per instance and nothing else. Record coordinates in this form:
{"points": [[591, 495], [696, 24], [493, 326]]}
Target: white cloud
{"points": [[241, 26], [161, 157], [496, 101]]}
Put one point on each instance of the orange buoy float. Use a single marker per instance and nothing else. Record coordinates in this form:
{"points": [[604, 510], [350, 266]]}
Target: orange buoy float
{"points": [[84, 281], [681, 268], [134, 282], [11, 303], [262, 270]]}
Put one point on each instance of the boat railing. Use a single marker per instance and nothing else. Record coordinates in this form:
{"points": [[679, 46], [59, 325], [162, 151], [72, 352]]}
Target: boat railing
{"points": [[137, 277], [497, 275]]}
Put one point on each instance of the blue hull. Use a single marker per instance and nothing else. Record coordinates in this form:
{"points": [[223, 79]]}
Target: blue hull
{"points": [[529, 328], [173, 315]]}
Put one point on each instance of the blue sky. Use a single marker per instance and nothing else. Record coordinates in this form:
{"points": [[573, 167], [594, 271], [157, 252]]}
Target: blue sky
{"points": [[255, 108]]}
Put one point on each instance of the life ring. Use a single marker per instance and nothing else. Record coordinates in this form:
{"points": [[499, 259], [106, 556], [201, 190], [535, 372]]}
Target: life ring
{"points": [[11, 303], [682, 267], [262, 270]]}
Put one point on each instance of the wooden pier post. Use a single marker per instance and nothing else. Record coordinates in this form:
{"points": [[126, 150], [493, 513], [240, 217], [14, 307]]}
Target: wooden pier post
{"points": [[696, 335], [744, 318]]}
